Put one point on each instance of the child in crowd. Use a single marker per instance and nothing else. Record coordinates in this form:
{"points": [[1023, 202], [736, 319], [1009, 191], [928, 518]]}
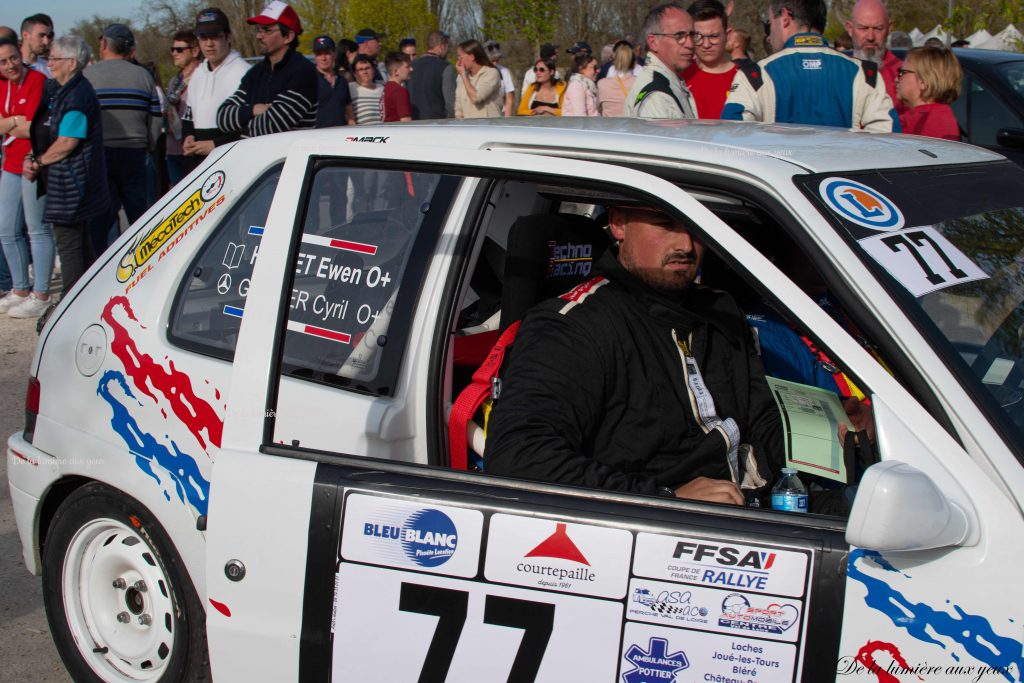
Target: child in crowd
{"points": [[395, 104], [928, 82]]}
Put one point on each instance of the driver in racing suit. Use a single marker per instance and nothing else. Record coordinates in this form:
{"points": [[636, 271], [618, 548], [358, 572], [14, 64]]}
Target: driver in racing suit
{"points": [[806, 81], [639, 380]]}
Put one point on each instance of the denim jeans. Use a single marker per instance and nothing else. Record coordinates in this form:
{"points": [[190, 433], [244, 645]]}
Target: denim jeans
{"points": [[5, 273], [76, 253], [19, 207], [126, 175]]}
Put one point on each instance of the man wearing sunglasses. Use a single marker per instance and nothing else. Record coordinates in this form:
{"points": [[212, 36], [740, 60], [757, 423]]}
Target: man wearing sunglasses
{"points": [[806, 81], [658, 93], [281, 92], [36, 36]]}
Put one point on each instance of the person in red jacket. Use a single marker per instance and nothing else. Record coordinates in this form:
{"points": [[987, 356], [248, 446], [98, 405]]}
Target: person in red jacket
{"points": [[928, 82]]}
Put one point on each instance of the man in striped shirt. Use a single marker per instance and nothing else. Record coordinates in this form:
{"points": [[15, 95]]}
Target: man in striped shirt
{"points": [[132, 118], [279, 93]]}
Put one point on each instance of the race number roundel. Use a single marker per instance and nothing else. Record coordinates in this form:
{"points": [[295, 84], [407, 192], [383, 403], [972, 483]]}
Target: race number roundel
{"points": [[860, 204]]}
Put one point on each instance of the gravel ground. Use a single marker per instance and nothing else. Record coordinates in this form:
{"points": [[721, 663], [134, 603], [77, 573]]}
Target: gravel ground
{"points": [[26, 651]]}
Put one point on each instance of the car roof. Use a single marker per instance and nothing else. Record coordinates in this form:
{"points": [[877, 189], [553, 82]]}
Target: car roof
{"points": [[973, 55], [740, 145]]}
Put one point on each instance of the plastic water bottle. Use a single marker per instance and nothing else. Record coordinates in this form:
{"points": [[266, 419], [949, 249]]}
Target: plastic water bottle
{"points": [[789, 493]]}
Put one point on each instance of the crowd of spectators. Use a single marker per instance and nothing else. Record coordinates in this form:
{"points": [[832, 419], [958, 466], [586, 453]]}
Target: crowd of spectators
{"points": [[87, 136]]}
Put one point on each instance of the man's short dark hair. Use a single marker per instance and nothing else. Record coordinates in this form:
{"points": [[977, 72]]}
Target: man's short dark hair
{"points": [[7, 33], [706, 10], [393, 59], [810, 13], [652, 22], [31, 21], [4, 40], [437, 38], [359, 59]]}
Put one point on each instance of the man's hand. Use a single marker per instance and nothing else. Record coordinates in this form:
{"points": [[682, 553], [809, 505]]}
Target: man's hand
{"points": [[711, 491], [258, 109], [193, 147], [29, 169], [860, 415]]}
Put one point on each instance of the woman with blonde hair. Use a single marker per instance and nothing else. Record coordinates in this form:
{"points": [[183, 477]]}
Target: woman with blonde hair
{"points": [[478, 89], [613, 88], [544, 96], [581, 93], [928, 82]]}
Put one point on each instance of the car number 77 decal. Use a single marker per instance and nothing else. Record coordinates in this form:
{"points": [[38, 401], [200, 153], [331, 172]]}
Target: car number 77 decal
{"points": [[922, 259], [407, 626]]}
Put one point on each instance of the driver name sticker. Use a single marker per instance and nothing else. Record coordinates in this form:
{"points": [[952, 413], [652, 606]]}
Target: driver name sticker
{"points": [[860, 204], [922, 260], [421, 536], [721, 564]]}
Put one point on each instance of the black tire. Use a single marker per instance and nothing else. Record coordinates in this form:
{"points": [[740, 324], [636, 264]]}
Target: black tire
{"points": [[108, 632]]}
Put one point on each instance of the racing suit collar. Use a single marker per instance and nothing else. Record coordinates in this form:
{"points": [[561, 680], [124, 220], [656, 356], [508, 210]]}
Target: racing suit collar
{"points": [[682, 312], [809, 39]]}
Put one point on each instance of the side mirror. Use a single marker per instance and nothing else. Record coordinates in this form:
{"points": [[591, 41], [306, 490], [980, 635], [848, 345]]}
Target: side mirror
{"points": [[1010, 137], [898, 507]]}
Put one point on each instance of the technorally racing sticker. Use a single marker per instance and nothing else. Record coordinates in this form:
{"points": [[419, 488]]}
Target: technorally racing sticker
{"points": [[425, 537], [668, 655], [860, 204], [721, 564], [732, 612], [552, 555], [393, 625], [155, 239], [922, 259]]}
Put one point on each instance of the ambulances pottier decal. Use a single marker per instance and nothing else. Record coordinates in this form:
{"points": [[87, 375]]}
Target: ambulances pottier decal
{"points": [[951, 628], [144, 394], [188, 213]]}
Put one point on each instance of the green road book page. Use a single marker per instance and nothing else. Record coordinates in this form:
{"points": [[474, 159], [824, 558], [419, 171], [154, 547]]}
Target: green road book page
{"points": [[810, 420]]}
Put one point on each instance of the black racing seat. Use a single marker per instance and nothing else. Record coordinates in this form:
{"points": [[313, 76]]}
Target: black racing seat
{"points": [[546, 255]]}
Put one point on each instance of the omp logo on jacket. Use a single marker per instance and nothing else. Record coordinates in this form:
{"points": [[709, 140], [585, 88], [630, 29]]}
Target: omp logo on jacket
{"points": [[580, 292], [868, 205]]}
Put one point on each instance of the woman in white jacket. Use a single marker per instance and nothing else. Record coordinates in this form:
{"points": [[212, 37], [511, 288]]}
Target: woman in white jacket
{"points": [[581, 94]]}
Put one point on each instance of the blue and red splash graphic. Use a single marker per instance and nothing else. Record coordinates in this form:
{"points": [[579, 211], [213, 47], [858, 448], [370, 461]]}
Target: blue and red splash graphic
{"points": [[972, 632], [152, 380]]}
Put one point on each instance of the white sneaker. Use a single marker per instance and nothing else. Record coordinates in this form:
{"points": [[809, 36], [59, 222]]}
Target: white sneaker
{"points": [[31, 307], [10, 301]]}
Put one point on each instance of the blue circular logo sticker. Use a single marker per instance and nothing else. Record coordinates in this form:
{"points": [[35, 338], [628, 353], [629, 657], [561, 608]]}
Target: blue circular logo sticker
{"points": [[860, 204], [429, 538]]}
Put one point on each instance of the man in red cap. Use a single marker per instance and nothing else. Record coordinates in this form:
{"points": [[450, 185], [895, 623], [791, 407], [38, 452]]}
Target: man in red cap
{"points": [[279, 93]]}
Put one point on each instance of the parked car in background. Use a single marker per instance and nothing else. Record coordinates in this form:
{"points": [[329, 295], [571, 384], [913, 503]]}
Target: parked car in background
{"points": [[991, 105]]}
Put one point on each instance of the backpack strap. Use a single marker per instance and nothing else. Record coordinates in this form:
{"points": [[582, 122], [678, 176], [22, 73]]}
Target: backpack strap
{"points": [[752, 70], [870, 70], [485, 383], [659, 83]]}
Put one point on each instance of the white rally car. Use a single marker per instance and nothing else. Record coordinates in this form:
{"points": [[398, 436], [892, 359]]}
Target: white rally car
{"points": [[237, 460]]}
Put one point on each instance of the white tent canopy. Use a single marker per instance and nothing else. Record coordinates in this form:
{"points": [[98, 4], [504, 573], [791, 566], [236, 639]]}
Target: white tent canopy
{"points": [[916, 36], [978, 37]]}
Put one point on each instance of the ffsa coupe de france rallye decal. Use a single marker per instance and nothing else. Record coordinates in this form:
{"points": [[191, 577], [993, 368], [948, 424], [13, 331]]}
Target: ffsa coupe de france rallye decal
{"points": [[140, 397]]}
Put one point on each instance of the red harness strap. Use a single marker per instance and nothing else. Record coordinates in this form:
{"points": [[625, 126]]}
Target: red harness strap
{"points": [[473, 396]]}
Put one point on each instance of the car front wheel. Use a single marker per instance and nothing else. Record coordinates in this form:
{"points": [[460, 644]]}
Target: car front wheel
{"points": [[118, 598]]}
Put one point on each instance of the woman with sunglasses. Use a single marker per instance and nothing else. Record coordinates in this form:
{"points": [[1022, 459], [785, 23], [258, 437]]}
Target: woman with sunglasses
{"points": [[544, 96]]}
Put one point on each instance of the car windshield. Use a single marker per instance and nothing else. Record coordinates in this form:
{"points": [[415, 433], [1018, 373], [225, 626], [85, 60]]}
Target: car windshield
{"points": [[1013, 74], [949, 243]]}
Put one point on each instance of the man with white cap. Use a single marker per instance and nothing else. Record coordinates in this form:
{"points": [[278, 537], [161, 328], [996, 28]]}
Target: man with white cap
{"points": [[279, 93]]}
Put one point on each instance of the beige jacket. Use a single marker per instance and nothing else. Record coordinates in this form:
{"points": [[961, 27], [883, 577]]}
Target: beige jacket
{"points": [[489, 97]]}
